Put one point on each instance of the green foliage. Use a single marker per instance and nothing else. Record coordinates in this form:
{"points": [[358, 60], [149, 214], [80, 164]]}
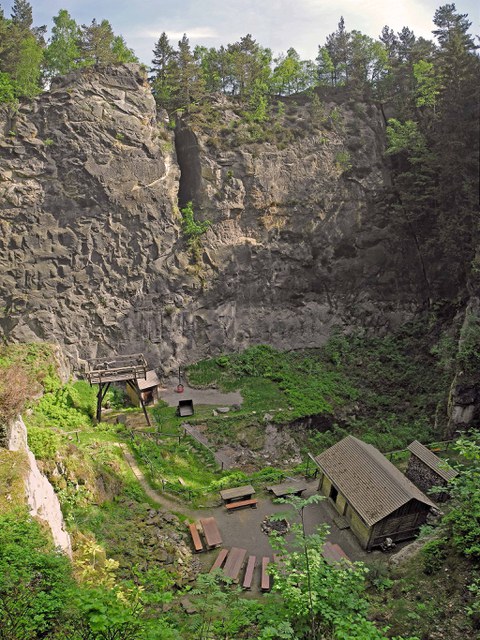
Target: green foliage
{"points": [[43, 442], [433, 554], [192, 229], [428, 84], [320, 599], [404, 137], [307, 385], [63, 52], [34, 580], [67, 407], [343, 160], [7, 89], [468, 356], [463, 520]]}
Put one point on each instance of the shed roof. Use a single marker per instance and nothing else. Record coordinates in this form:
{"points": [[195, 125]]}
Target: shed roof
{"points": [[435, 463], [371, 484], [149, 382]]}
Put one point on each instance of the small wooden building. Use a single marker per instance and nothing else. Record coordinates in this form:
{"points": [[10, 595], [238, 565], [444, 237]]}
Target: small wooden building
{"points": [[373, 496], [426, 470], [148, 388]]}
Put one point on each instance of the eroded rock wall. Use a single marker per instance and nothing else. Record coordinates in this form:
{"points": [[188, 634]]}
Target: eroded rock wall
{"points": [[41, 498], [91, 250]]}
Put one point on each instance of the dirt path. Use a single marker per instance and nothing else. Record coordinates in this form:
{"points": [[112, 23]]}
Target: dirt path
{"points": [[159, 498], [221, 458]]}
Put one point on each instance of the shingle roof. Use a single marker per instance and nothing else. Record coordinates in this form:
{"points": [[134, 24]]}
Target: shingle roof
{"points": [[435, 463], [371, 484], [150, 381]]}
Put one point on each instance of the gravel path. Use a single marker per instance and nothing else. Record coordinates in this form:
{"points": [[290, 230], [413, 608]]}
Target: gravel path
{"points": [[199, 396], [159, 498]]}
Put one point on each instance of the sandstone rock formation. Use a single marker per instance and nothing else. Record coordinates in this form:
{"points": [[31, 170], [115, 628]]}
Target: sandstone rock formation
{"points": [[91, 251], [41, 498]]}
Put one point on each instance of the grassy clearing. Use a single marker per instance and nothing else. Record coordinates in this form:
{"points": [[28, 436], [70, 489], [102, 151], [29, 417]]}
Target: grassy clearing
{"points": [[385, 390], [296, 384], [13, 468]]}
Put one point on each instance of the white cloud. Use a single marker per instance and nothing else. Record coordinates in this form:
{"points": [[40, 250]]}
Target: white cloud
{"points": [[194, 33]]}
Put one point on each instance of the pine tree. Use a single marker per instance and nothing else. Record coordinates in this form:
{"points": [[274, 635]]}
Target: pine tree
{"points": [[338, 45], [162, 70], [186, 75], [22, 15], [96, 43]]}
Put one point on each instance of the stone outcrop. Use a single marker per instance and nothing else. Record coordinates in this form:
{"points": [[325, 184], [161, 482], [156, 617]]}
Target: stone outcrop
{"points": [[91, 250], [41, 498]]}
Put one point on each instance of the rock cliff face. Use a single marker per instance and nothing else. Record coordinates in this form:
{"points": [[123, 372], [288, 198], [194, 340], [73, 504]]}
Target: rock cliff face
{"points": [[91, 251], [42, 500]]}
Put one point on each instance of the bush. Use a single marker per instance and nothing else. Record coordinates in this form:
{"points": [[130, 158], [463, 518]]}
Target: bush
{"points": [[34, 580], [44, 443], [433, 555], [14, 390]]}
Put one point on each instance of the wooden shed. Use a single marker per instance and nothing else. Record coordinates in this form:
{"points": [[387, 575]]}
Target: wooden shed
{"points": [[375, 498], [426, 470], [148, 388]]}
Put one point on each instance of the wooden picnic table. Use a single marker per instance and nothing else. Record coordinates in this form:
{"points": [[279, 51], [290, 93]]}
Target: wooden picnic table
{"points": [[287, 489], [237, 493], [234, 562], [212, 534]]}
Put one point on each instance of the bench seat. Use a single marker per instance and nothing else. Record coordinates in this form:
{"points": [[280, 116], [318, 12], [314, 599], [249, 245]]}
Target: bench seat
{"points": [[231, 506], [248, 577], [197, 543], [266, 578], [220, 560]]}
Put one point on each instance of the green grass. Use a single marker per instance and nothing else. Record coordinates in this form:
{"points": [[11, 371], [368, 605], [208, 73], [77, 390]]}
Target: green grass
{"points": [[296, 383], [385, 390], [13, 469]]}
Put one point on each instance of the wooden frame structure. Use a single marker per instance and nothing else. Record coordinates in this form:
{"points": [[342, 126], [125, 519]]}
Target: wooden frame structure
{"points": [[128, 369]]}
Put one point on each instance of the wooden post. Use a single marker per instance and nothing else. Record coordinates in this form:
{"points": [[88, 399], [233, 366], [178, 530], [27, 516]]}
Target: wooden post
{"points": [[99, 402], [102, 392]]}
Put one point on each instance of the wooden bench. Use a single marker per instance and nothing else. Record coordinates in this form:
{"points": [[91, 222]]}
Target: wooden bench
{"points": [[211, 532], [220, 560], [237, 493], [265, 581], [287, 489], [230, 506], [334, 553], [197, 543], [234, 563], [248, 577]]}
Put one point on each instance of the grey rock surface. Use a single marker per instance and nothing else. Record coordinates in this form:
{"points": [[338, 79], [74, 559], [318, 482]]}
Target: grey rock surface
{"points": [[91, 251]]}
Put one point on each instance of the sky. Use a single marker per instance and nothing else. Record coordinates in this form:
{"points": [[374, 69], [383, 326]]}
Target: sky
{"points": [[277, 24]]}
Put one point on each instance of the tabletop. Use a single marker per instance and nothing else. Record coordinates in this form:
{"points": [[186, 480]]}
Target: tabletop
{"points": [[237, 493], [212, 534], [287, 488]]}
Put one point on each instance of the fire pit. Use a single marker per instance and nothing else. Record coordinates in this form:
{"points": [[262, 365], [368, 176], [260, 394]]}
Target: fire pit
{"points": [[279, 526]]}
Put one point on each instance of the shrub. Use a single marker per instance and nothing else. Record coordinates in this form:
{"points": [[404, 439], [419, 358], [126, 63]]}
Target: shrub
{"points": [[44, 443], [14, 390], [433, 555]]}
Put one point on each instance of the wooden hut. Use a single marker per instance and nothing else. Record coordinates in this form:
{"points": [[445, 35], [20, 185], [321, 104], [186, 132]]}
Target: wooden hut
{"points": [[148, 389], [426, 470], [375, 498]]}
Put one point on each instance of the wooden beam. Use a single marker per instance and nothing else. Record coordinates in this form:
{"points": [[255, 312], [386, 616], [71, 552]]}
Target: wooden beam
{"points": [[102, 392]]}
